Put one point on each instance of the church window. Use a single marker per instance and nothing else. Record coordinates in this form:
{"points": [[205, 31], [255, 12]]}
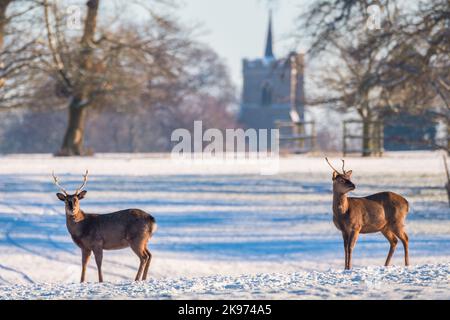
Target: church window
{"points": [[266, 96]]}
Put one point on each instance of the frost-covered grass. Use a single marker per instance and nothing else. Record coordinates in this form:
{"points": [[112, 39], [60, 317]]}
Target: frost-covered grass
{"points": [[222, 232]]}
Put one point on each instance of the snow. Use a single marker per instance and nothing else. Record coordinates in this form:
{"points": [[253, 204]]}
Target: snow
{"points": [[419, 282], [223, 232]]}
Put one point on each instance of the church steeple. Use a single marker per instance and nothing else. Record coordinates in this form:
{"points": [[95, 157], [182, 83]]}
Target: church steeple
{"points": [[269, 42]]}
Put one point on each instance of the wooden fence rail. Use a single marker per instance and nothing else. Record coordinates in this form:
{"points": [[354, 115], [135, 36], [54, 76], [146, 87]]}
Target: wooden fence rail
{"points": [[301, 136]]}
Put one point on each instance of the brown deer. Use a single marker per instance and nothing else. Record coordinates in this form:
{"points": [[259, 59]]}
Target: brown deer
{"points": [[383, 212], [95, 233]]}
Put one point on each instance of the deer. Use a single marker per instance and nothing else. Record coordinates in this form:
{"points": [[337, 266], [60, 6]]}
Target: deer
{"points": [[383, 212], [97, 232]]}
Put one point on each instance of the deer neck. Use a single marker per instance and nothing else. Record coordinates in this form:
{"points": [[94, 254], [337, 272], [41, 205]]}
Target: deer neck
{"points": [[340, 203], [74, 223]]}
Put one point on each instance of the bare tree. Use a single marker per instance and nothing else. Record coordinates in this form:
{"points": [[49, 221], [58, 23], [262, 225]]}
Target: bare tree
{"points": [[408, 53], [417, 64], [76, 84], [19, 50], [114, 66], [354, 85], [109, 64]]}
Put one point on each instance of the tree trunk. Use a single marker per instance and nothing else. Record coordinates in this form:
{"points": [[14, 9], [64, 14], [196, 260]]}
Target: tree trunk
{"points": [[74, 136], [448, 137], [3, 6], [367, 146], [3, 20]]}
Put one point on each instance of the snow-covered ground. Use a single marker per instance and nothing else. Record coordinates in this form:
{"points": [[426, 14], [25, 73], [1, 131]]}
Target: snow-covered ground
{"points": [[223, 232]]}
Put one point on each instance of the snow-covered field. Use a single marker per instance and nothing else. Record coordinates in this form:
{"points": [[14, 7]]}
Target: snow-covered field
{"points": [[223, 232]]}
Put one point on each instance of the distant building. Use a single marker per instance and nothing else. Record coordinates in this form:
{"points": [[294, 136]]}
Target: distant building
{"points": [[407, 131], [266, 93]]}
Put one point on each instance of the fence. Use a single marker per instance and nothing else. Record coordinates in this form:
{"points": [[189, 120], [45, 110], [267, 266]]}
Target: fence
{"points": [[298, 137], [371, 144]]}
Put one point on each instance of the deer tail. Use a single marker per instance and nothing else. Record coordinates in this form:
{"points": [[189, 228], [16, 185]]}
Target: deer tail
{"points": [[152, 224], [407, 206]]}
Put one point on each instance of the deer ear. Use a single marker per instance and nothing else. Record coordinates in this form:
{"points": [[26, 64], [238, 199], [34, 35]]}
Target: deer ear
{"points": [[334, 175], [349, 173], [81, 195], [61, 196]]}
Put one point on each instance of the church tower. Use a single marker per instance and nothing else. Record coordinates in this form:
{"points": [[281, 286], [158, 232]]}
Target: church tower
{"points": [[268, 54], [269, 87]]}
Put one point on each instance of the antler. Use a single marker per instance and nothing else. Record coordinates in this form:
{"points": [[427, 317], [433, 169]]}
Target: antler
{"points": [[331, 165], [58, 185], [343, 165], [84, 182]]}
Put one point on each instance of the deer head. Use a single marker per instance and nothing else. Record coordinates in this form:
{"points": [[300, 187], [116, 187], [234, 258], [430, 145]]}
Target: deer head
{"points": [[342, 181], [72, 201]]}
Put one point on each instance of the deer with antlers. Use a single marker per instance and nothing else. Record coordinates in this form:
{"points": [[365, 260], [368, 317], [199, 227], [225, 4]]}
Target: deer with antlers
{"points": [[97, 232], [383, 212]]}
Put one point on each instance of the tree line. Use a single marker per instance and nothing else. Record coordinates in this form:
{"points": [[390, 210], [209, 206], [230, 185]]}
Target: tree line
{"points": [[130, 69]]}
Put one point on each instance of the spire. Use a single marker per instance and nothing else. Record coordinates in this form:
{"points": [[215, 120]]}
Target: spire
{"points": [[269, 44]]}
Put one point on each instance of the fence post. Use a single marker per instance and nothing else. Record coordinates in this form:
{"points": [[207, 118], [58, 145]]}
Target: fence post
{"points": [[301, 133], [313, 136], [381, 138], [376, 139], [344, 139]]}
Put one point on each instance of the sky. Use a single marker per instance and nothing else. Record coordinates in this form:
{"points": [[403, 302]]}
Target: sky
{"points": [[237, 29]]}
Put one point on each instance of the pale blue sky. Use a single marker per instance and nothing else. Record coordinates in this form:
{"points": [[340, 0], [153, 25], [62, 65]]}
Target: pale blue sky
{"points": [[237, 28]]}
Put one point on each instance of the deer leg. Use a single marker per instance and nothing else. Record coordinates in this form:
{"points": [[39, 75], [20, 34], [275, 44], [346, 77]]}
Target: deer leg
{"points": [[98, 259], [147, 265], [351, 244], [393, 242], [345, 237], [140, 252], [85, 254], [405, 241]]}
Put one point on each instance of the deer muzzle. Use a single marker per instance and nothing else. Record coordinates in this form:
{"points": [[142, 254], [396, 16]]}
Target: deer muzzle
{"points": [[70, 208]]}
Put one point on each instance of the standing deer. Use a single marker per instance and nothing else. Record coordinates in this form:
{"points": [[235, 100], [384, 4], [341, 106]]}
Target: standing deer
{"points": [[383, 212], [95, 233]]}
